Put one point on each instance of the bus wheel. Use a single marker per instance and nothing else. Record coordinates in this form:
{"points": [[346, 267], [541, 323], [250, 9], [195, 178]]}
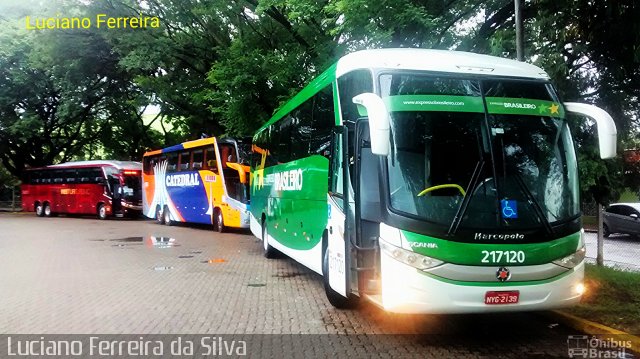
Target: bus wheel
{"points": [[220, 222], [102, 212], [159, 216], [39, 210], [335, 298], [269, 252], [167, 216], [47, 210]]}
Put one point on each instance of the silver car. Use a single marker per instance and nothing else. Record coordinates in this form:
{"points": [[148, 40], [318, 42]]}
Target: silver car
{"points": [[622, 218]]}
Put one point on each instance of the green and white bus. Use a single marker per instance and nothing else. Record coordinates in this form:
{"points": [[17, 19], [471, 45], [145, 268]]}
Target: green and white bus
{"points": [[427, 181]]}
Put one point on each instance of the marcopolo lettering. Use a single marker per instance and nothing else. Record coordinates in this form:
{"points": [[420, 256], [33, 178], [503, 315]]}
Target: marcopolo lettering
{"points": [[183, 180], [288, 180], [502, 236]]}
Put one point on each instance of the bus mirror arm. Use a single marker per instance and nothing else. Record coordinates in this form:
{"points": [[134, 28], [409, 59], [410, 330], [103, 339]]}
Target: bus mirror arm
{"points": [[378, 122], [607, 133]]}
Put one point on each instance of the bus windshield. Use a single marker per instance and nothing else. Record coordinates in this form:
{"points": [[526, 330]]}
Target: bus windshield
{"points": [[132, 188], [479, 154]]}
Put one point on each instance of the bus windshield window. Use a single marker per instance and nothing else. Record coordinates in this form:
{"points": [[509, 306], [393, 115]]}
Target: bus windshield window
{"points": [[132, 188], [455, 152]]}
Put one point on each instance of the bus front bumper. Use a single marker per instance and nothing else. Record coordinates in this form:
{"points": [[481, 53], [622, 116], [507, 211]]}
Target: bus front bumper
{"points": [[406, 289]]}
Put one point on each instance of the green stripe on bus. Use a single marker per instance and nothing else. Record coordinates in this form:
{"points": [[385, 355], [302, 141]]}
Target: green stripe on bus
{"points": [[472, 253], [523, 106], [443, 103]]}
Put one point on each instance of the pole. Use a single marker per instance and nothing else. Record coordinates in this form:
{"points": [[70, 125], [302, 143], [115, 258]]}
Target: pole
{"points": [[519, 31], [600, 256]]}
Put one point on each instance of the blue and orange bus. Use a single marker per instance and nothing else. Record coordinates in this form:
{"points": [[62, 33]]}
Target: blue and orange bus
{"points": [[202, 181]]}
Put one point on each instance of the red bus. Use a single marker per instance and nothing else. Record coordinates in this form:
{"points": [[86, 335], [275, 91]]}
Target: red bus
{"points": [[103, 188]]}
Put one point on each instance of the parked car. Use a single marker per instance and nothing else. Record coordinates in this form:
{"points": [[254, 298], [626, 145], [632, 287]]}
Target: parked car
{"points": [[622, 218]]}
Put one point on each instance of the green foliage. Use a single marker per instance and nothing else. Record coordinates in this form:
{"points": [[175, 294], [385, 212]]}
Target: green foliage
{"points": [[218, 67]]}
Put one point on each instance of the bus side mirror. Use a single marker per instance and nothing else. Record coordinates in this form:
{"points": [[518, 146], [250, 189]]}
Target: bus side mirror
{"points": [[607, 133], [378, 122]]}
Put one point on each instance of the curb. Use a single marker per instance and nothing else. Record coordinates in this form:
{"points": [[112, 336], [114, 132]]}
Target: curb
{"points": [[13, 212], [593, 328]]}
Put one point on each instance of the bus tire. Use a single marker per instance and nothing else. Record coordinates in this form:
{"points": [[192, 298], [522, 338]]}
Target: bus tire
{"points": [[102, 212], [47, 210], [39, 209], [268, 251], [159, 216], [336, 299], [220, 227], [166, 216]]}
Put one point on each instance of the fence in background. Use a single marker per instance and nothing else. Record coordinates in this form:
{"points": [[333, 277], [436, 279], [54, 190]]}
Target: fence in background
{"points": [[10, 199]]}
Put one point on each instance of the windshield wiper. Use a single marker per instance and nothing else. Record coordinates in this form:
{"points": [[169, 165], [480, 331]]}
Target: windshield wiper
{"points": [[457, 219], [534, 203]]}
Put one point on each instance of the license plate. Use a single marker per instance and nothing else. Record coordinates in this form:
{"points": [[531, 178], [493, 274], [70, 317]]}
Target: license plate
{"points": [[506, 297]]}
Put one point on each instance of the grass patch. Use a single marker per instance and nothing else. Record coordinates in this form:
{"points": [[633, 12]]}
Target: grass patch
{"points": [[589, 221], [612, 298]]}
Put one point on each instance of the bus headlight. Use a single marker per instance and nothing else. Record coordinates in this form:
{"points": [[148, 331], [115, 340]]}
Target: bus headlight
{"points": [[573, 259], [412, 259]]}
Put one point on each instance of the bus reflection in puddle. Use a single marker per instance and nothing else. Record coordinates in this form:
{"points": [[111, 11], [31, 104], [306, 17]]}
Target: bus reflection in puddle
{"points": [[160, 242], [148, 241]]}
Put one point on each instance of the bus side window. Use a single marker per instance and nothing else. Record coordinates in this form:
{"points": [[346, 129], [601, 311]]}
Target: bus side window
{"points": [[323, 121], [96, 175], [197, 159], [148, 164], [351, 85], [70, 176], [172, 162], [83, 175], [210, 162], [185, 158], [57, 176]]}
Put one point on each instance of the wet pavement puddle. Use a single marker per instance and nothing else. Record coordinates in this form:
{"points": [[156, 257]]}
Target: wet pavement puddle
{"points": [[128, 239], [214, 260], [287, 275], [162, 268], [149, 241]]}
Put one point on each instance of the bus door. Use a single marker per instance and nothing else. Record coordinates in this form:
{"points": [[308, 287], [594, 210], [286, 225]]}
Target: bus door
{"points": [[115, 191], [368, 209], [336, 262]]}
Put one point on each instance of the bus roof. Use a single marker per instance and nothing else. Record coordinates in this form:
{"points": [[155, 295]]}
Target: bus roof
{"points": [[457, 62], [183, 146], [438, 60], [121, 165]]}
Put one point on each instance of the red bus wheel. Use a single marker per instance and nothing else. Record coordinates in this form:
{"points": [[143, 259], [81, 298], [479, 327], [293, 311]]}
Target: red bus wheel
{"points": [[39, 210], [102, 212], [47, 210]]}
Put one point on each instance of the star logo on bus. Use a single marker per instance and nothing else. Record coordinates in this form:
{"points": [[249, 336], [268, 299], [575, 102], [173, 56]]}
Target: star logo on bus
{"points": [[543, 108], [554, 108], [503, 274]]}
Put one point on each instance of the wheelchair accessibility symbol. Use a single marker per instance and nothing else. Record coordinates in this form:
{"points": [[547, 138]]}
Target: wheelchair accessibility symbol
{"points": [[509, 208]]}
